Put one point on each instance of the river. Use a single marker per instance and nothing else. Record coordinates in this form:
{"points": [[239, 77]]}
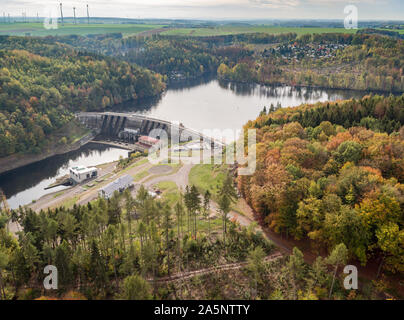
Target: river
{"points": [[199, 104]]}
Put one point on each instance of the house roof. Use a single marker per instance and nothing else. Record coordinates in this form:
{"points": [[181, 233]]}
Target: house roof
{"points": [[148, 139], [119, 183], [82, 169]]}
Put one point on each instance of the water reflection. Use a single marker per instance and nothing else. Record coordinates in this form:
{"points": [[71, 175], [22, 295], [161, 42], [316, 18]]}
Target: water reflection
{"points": [[211, 104], [274, 91]]}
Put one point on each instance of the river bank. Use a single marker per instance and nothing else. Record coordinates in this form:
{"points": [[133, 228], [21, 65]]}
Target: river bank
{"points": [[16, 161]]}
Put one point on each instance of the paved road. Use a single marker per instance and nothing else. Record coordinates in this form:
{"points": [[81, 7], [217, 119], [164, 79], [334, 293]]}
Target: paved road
{"points": [[180, 177]]}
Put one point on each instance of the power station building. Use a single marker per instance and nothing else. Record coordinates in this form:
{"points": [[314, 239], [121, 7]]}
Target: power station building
{"points": [[79, 174], [119, 185]]}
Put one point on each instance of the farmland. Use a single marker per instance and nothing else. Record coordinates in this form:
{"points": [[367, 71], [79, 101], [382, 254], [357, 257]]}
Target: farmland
{"points": [[37, 29], [226, 30]]}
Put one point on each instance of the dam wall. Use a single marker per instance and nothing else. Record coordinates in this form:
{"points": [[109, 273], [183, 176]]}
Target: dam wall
{"points": [[125, 126]]}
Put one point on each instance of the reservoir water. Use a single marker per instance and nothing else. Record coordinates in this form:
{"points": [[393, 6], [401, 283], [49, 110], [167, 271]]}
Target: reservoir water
{"points": [[200, 104], [212, 104]]}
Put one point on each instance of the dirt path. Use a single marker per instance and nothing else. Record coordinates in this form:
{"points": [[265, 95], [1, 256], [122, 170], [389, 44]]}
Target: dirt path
{"points": [[225, 267]]}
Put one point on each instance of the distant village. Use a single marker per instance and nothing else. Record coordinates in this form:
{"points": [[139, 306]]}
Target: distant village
{"points": [[298, 52]]}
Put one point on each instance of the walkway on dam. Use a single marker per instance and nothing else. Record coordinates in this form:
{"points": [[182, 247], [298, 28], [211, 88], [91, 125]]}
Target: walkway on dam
{"points": [[87, 118]]}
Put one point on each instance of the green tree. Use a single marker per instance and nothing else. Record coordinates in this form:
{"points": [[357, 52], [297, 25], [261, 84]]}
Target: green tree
{"points": [[129, 205], [296, 268], [4, 260], [227, 195], [167, 225], [337, 257], [136, 288], [390, 240], [206, 208], [255, 268]]}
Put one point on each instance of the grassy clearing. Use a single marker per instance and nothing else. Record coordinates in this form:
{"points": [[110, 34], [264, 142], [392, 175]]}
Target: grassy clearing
{"points": [[140, 175], [226, 30], [170, 192], [207, 177], [58, 194], [167, 186], [210, 177], [37, 29]]}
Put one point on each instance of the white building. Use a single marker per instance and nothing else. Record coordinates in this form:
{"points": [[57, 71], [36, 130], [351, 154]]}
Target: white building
{"points": [[79, 174], [119, 185]]}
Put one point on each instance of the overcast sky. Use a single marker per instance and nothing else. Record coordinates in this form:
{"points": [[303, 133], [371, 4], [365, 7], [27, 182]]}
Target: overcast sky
{"points": [[214, 9]]}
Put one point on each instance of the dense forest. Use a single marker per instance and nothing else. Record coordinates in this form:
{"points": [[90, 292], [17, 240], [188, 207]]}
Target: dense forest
{"points": [[42, 84], [143, 248], [101, 246], [175, 57], [333, 173]]}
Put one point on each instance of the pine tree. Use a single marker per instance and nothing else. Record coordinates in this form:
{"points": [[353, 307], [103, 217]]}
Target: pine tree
{"points": [[206, 208], [227, 195]]}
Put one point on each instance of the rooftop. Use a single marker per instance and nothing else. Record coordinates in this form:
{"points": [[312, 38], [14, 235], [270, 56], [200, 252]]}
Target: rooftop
{"points": [[148, 139], [82, 169], [119, 183]]}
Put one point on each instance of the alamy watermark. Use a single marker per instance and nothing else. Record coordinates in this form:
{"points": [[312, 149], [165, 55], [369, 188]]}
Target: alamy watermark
{"points": [[351, 20], [211, 146], [51, 18], [51, 280], [351, 280]]}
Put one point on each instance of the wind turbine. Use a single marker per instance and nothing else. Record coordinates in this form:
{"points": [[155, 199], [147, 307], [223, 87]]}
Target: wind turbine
{"points": [[61, 13]]}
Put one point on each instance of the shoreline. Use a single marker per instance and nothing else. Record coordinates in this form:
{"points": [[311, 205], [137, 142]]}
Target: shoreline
{"points": [[17, 161]]}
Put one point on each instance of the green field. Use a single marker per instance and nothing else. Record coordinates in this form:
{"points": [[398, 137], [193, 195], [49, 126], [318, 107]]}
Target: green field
{"points": [[400, 31], [207, 177], [217, 31], [37, 29]]}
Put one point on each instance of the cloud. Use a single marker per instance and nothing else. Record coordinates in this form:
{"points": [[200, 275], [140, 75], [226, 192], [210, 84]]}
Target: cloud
{"points": [[276, 3], [347, 2]]}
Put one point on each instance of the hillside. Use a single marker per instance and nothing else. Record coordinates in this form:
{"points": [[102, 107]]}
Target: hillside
{"points": [[42, 84]]}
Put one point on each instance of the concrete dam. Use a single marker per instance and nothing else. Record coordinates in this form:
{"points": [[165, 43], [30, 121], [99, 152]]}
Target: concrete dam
{"points": [[128, 127]]}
